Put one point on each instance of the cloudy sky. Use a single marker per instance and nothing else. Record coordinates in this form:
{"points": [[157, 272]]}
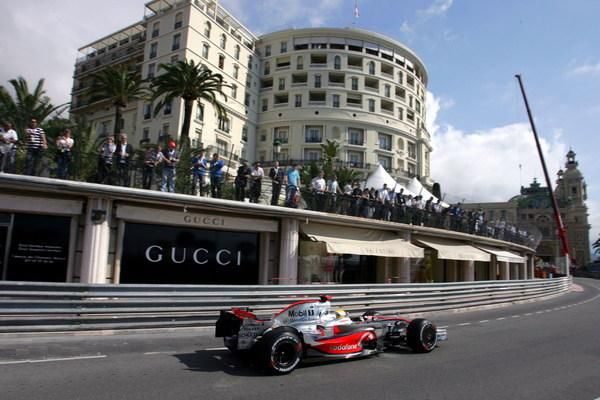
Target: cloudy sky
{"points": [[483, 147]]}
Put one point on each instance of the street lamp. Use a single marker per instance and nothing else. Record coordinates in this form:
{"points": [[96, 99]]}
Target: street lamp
{"points": [[276, 149]]}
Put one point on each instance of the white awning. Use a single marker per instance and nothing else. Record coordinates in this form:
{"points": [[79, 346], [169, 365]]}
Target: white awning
{"points": [[347, 240], [451, 250], [504, 255]]}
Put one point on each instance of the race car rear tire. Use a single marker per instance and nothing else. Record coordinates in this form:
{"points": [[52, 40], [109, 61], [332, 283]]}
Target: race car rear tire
{"points": [[421, 335], [280, 351]]}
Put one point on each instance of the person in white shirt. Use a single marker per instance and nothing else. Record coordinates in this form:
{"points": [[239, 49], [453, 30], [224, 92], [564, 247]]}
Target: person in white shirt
{"points": [[8, 147], [256, 176], [64, 144], [318, 186], [333, 189]]}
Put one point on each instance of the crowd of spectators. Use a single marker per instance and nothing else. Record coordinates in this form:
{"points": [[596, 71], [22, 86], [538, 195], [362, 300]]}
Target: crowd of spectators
{"points": [[116, 160]]}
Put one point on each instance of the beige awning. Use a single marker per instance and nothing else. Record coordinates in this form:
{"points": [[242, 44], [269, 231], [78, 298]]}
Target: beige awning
{"points": [[504, 255], [451, 250], [367, 242]]}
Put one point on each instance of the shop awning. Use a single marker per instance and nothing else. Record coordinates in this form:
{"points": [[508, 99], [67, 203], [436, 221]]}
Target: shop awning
{"points": [[347, 240], [451, 250], [504, 255]]}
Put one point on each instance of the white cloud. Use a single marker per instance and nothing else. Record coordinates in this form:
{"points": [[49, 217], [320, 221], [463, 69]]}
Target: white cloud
{"points": [[585, 69], [438, 7], [488, 165]]}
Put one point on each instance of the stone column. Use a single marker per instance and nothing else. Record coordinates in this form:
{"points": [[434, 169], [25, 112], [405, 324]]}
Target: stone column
{"points": [[263, 262], [288, 252], [530, 266], [492, 272], [402, 270], [452, 270], [96, 237], [467, 270], [504, 271]]}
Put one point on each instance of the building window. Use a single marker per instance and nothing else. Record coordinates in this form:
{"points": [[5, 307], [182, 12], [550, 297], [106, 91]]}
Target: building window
{"points": [[387, 90], [249, 62], [385, 162], [207, 29], [265, 105], [200, 112], [356, 136], [300, 62], [176, 42], [153, 50], [156, 29], [221, 61], [385, 141], [247, 99], [281, 84], [298, 100], [336, 101], [418, 106], [236, 52], [174, 59], [371, 105], [234, 91], [313, 134], [147, 111], [178, 21], [168, 108], [281, 134], [267, 50], [400, 77], [205, 48], [146, 134], [224, 124], [236, 71], [245, 134], [283, 47], [267, 68], [356, 159], [400, 114], [151, 70], [318, 81], [312, 154], [337, 62], [372, 67], [223, 41], [412, 150], [354, 83]]}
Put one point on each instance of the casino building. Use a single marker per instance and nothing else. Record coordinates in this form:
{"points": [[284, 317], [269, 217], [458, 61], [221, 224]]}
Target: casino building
{"points": [[291, 90]]}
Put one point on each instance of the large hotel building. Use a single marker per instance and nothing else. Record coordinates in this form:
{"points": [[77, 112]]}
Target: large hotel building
{"points": [[291, 90]]}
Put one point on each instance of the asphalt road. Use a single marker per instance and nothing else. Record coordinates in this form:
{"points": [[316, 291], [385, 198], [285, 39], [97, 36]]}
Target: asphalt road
{"points": [[540, 350]]}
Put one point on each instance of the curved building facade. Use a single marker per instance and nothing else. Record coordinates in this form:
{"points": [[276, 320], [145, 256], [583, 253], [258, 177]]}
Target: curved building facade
{"points": [[358, 88]]}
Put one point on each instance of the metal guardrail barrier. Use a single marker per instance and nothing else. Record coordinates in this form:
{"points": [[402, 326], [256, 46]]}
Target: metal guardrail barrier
{"points": [[53, 307]]}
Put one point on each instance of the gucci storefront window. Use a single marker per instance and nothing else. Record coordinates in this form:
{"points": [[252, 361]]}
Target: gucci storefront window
{"points": [[174, 255], [315, 265]]}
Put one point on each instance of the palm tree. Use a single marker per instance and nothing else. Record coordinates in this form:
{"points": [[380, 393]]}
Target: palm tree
{"points": [[25, 104], [330, 150], [192, 82], [119, 86]]}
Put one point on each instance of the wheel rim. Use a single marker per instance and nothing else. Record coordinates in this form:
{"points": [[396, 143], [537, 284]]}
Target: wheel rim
{"points": [[285, 355], [429, 336]]}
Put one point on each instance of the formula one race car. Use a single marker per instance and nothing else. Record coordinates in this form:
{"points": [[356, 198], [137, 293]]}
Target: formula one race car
{"points": [[310, 329]]}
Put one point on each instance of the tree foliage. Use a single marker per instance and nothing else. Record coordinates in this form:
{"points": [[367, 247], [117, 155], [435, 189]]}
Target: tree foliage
{"points": [[25, 104], [191, 82]]}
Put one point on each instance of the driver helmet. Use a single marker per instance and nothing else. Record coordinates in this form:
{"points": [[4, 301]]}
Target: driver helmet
{"points": [[339, 314]]}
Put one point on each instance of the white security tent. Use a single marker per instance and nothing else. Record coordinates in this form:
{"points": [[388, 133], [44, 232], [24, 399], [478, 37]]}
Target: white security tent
{"points": [[452, 250], [417, 187], [358, 241], [380, 176], [504, 255]]}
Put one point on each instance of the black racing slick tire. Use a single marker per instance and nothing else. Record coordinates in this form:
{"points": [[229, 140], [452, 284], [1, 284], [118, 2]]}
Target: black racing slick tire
{"points": [[280, 351], [421, 335]]}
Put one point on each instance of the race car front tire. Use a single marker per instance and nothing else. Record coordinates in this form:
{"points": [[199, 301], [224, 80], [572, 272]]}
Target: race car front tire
{"points": [[280, 351], [421, 335]]}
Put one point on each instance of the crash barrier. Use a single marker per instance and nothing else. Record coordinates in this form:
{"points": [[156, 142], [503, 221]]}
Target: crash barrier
{"points": [[52, 307]]}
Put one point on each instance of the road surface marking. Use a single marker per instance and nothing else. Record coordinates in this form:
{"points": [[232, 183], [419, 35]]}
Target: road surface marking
{"points": [[151, 353], [500, 319], [483, 321], [515, 316], [43, 360], [215, 348], [464, 324]]}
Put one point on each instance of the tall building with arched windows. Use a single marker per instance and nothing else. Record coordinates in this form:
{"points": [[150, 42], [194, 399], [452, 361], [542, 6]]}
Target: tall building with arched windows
{"points": [[291, 90]]}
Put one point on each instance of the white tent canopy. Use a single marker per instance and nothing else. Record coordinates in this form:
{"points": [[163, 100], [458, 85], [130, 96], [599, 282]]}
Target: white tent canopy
{"points": [[380, 176], [416, 187]]}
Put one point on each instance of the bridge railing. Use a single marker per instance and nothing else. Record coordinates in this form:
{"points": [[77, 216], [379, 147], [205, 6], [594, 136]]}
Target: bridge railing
{"points": [[52, 307]]}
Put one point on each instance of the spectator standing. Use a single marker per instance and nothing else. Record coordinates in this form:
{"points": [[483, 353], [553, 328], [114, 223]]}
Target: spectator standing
{"points": [[64, 145], [105, 161], [216, 176], [293, 185], [318, 186], [35, 138], [277, 175], [170, 158], [256, 176], [8, 147], [152, 157], [333, 189], [200, 166], [123, 155], [241, 180]]}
